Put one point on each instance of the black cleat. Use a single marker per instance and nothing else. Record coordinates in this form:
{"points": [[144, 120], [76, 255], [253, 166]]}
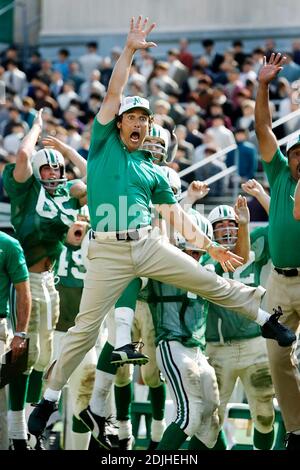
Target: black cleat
{"points": [[292, 441], [129, 354], [40, 443], [96, 424], [38, 419], [272, 329], [152, 445], [127, 443], [19, 444]]}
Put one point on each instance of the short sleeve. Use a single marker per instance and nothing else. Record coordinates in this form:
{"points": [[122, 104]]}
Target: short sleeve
{"points": [[162, 193], [12, 187], [275, 166], [99, 136], [16, 264]]}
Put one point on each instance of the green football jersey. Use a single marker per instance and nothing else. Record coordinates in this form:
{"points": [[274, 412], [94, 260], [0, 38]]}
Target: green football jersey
{"points": [[71, 270], [39, 219], [13, 269], [223, 324], [177, 315]]}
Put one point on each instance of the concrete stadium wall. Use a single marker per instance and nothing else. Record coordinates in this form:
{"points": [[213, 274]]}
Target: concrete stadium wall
{"points": [[74, 22]]}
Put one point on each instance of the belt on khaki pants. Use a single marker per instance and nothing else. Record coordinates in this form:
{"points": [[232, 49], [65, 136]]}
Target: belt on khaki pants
{"points": [[129, 235], [288, 272]]}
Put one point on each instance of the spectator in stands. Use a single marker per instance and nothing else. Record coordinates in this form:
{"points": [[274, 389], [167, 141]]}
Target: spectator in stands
{"points": [[186, 149], [194, 136], [28, 113], [214, 59], [238, 53], [177, 71], [210, 169], [296, 51], [203, 92], [14, 78], [45, 74], [176, 112], [75, 75], [185, 56], [14, 117], [246, 121], [35, 64], [62, 64], [222, 136], [245, 156], [68, 94], [291, 70], [92, 85], [91, 60]]}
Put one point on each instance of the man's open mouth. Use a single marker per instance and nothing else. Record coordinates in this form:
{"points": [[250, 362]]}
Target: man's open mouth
{"points": [[135, 137], [78, 233]]}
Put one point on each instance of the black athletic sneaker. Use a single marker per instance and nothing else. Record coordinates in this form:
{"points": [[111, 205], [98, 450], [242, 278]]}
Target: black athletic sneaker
{"points": [[129, 354], [38, 418], [96, 424], [272, 329]]}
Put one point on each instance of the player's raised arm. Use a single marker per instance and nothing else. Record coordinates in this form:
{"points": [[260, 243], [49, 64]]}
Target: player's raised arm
{"points": [[136, 39], [23, 168], [263, 119]]}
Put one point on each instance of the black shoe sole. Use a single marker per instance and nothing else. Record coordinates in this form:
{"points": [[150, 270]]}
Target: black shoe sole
{"points": [[137, 362]]}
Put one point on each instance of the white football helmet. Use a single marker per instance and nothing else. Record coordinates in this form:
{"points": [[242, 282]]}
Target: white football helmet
{"points": [[173, 179], [227, 236], [55, 160], [203, 223], [157, 142]]}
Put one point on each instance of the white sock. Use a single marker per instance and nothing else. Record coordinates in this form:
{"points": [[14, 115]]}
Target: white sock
{"points": [[17, 427], [101, 392], [123, 321], [52, 395], [80, 440], [125, 429], [262, 317], [157, 429]]}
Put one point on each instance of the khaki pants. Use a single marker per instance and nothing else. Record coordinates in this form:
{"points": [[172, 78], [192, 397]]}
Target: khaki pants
{"points": [[113, 264], [285, 291], [43, 318], [245, 359]]}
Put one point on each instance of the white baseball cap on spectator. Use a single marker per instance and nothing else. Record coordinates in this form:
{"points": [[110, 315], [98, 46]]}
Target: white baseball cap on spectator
{"points": [[292, 143], [131, 102]]}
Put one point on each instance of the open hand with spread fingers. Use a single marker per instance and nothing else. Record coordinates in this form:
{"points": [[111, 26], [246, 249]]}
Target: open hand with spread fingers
{"points": [[138, 33], [228, 260], [271, 69], [54, 143]]}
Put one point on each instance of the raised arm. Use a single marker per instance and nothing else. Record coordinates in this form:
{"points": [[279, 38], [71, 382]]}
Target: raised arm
{"points": [[263, 119], [67, 151], [196, 190], [255, 189], [23, 168], [242, 246], [136, 39], [181, 221]]}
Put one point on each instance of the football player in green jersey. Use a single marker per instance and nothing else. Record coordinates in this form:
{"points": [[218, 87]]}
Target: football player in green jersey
{"points": [[235, 346], [13, 270], [42, 209]]}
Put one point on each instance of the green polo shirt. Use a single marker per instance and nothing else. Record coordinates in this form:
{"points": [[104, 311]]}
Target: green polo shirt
{"points": [[284, 230], [121, 184], [13, 269]]}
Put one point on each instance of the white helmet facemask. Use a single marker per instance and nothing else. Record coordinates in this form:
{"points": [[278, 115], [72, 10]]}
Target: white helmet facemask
{"points": [[227, 236]]}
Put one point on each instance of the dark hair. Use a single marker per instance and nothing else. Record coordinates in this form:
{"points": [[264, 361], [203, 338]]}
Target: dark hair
{"points": [[207, 42], [237, 43], [64, 52], [92, 44]]}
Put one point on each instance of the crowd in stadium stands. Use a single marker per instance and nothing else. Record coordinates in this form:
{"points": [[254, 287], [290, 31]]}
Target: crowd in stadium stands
{"points": [[208, 97]]}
